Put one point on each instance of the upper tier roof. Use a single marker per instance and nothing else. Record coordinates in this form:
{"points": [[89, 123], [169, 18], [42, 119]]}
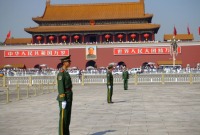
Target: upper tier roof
{"points": [[100, 11], [84, 28]]}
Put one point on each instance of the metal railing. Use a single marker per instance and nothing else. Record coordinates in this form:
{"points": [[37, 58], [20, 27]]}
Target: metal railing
{"points": [[19, 87], [101, 79], [144, 78], [26, 86]]}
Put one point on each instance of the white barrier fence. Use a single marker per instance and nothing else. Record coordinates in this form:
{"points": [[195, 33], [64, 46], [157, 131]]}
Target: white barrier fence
{"points": [[101, 79], [18, 87], [145, 78]]}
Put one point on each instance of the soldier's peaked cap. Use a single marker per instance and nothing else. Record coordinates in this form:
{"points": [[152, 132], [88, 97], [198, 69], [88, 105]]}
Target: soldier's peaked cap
{"points": [[66, 59], [110, 66]]}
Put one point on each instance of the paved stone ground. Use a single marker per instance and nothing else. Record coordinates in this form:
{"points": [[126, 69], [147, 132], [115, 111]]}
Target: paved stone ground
{"points": [[169, 109]]}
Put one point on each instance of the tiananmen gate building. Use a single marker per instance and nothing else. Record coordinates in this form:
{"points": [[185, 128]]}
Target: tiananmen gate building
{"points": [[117, 32]]}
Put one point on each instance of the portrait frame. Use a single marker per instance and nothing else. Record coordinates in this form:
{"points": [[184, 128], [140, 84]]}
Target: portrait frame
{"points": [[91, 52]]}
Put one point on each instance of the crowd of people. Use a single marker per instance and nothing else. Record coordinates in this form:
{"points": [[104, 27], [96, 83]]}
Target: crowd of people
{"points": [[102, 70]]}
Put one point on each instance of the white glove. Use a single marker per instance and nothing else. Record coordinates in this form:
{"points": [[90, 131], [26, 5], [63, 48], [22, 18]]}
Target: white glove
{"points": [[64, 103], [109, 87]]}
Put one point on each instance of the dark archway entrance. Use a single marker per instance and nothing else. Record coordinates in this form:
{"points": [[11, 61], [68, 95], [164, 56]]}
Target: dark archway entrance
{"points": [[37, 66], [91, 63], [121, 63], [145, 65], [92, 39]]}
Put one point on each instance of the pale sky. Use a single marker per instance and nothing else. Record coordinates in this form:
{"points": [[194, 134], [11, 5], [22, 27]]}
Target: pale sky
{"points": [[17, 14]]}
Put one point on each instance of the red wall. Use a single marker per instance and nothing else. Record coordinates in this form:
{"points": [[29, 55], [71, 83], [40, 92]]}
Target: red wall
{"points": [[190, 55]]}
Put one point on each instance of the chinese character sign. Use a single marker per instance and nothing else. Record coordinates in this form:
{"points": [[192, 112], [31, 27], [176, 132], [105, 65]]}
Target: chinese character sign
{"points": [[35, 53], [143, 50]]}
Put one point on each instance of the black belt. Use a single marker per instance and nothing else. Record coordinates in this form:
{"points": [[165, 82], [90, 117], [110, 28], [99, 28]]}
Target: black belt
{"points": [[68, 89]]}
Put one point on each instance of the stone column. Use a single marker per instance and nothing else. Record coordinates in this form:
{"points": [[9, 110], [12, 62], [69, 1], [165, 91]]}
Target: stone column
{"points": [[100, 38], [58, 39], [45, 39], [70, 39], [153, 36], [33, 39], [139, 37], [126, 37], [83, 38], [113, 37]]}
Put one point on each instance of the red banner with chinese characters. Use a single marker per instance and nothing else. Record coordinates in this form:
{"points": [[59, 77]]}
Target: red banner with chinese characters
{"points": [[143, 50], [36, 53]]}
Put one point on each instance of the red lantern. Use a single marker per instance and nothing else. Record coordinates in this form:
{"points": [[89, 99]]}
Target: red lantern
{"points": [[120, 36], [64, 38], [133, 36], [107, 37], [39, 38], [76, 37], [51, 38], [146, 36]]}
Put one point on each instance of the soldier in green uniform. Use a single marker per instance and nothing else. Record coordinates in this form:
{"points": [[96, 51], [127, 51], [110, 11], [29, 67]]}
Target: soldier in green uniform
{"points": [[109, 84], [125, 76], [65, 96]]}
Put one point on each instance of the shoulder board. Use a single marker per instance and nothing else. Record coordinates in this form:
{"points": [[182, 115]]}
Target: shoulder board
{"points": [[61, 70]]}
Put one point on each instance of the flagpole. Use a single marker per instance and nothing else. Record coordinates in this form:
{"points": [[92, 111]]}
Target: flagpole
{"points": [[199, 30], [8, 36], [174, 48], [174, 60], [188, 30]]}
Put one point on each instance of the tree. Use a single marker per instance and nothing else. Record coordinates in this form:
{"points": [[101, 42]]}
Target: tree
{"points": [[1, 43]]}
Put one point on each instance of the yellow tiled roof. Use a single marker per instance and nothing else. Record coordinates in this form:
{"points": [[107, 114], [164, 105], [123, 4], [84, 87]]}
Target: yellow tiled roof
{"points": [[179, 37], [14, 66], [100, 11], [16, 41], [82, 28]]}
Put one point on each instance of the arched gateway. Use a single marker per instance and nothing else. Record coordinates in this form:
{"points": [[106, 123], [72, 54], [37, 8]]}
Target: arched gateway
{"points": [[91, 63]]}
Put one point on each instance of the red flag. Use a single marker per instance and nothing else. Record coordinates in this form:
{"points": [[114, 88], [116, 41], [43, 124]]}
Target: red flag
{"points": [[8, 35], [175, 32], [199, 30], [188, 30]]}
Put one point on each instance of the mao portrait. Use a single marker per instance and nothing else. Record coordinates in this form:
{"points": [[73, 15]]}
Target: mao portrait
{"points": [[91, 52]]}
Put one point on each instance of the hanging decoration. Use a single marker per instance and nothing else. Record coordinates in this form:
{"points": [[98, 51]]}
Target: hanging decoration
{"points": [[146, 36], [133, 36], [107, 36], [64, 38], [51, 38], [120, 36], [76, 37], [39, 38]]}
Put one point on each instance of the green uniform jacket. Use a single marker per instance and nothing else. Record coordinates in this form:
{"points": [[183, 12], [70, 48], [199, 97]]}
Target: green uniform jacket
{"points": [[125, 75], [64, 86], [109, 78]]}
